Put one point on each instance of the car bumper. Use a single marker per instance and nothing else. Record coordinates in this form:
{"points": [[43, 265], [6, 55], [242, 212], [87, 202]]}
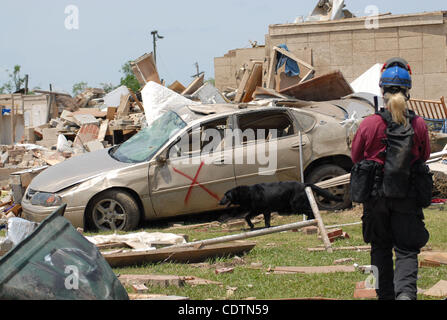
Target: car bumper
{"points": [[37, 213]]}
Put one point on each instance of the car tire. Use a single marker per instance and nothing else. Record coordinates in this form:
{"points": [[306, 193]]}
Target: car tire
{"points": [[113, 210], [326, 172]]}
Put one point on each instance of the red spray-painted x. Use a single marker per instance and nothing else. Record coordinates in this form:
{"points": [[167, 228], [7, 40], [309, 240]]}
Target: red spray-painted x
{"points": [[195, 182]]}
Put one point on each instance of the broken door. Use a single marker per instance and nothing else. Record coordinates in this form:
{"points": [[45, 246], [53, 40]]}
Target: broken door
{"points": [[197, 172]]}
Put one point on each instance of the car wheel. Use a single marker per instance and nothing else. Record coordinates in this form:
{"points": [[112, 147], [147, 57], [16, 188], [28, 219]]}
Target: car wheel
{"points": [[326, 172], [114, 210]]}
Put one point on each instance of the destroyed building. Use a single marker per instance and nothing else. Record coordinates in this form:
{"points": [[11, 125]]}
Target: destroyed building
{"points": [[349, 46]]}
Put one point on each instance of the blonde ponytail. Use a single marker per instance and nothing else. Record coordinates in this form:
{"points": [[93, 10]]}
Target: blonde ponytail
{"points": [[397, 104]]}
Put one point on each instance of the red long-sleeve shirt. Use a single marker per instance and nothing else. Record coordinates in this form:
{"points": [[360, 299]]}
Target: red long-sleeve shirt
{"points": [[368, 141]]}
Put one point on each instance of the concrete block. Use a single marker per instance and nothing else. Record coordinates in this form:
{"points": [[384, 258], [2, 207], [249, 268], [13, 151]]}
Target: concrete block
{"points": [[297, 38], [412, 55], [418, 91], [383, 56], [321, 58], [434, 60], [221, 62], [50, 134], [410, 43], [363, 34], [417, 67], [434, 41], [363, 58], [386, 33], [368, 45], [346, 70], [358, 69], [387, 44], [341, 53], [415, 31], [340, 36], [435, 85], [319, 37]]}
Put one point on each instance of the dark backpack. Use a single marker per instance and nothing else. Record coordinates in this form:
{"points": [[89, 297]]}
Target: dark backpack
{"points": [[398, 156]]}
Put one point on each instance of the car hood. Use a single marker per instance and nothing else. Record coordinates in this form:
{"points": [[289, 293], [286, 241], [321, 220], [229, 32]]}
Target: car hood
{"points": [[76, 170]]}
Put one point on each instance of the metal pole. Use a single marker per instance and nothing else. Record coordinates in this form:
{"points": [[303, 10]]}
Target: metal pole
{"points": [[301, 164], [155, 48], [13, 133], [247, 235]]}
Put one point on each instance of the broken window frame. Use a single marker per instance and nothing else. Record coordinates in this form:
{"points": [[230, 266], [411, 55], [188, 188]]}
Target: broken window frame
{"points": [[290, 118], [190, 131]]}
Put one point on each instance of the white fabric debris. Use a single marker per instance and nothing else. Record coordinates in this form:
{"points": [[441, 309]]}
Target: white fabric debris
{"points": [[19, 229], [369, 81], [140, 241]]}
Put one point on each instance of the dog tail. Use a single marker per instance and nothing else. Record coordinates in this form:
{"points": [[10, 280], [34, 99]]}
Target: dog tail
{"points": [[324, 193]]}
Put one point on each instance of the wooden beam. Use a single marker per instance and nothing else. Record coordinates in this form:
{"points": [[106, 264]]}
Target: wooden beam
{"points": [[293, 57], [270, 83], [134, 96], [50, 92], [316, 211]]}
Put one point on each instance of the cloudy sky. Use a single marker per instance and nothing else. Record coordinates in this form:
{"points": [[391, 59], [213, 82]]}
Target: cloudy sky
{"points": [[33, 34]]}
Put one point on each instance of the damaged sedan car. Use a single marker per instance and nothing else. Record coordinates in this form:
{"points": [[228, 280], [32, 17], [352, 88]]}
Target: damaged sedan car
{"points": [[184, 162]]}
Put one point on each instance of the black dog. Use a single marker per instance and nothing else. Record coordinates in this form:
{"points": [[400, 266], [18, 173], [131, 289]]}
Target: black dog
{"points": [[281, 197]]}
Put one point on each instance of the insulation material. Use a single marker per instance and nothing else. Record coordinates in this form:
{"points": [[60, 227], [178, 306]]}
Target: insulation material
{"points": [[113, 98], [158, 99], [369, 81], [141, 241]]}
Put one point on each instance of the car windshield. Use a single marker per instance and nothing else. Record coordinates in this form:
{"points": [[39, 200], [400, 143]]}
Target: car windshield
{"points": [[142, 146]]}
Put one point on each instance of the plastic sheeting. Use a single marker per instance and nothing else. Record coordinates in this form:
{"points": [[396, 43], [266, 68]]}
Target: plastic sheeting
{"points": [[158, 99], [369, 81]]}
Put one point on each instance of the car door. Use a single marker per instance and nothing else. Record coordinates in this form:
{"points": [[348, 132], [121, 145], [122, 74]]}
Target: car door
{"points": [[260, 154], [196, 172]]}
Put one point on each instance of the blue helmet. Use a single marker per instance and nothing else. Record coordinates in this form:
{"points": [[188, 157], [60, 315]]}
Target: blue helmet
{"points": [[396, 73]]}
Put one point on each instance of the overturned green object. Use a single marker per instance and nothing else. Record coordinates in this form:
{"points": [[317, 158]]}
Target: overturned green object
{"points": [[56, 262]]}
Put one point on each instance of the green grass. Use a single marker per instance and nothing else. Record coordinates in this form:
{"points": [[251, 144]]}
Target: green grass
{"points": [[287, 249]]}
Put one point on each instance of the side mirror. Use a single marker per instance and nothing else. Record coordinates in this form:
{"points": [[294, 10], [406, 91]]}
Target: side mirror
{"points": [[161, 159]]}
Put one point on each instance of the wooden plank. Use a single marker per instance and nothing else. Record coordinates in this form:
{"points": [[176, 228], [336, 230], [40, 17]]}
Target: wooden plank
{"points": [[164, 280], [240, 90], [145, 70], [270, 83], [444, 108], [352, 248], [316, 211], [438, 290], [124, 107], [327, 87], [293, 57], [176, 86], [194, 86], [314, 270], [254, 81], [178, 254], [103, 130], [134, 97], [111, 112], [96, 112]]}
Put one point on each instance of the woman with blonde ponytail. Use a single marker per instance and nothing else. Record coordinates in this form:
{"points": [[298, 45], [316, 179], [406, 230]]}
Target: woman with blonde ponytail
{"points": [[397, 105], [389, 147]]}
